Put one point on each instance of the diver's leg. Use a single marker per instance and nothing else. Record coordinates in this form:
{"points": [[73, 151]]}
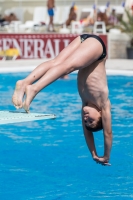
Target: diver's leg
{"points": [[87, 53], [39, 71]]}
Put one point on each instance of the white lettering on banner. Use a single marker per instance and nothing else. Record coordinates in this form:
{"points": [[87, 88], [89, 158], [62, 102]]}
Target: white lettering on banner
{"points": [[16, 46], [49, 49], [28, 45], [57, 41], [66, 42], [22, 46], [7, 43], [38, 48]]}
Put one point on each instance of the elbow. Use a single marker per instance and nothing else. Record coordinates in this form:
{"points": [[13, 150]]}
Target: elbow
{"points": [[108, 134]]}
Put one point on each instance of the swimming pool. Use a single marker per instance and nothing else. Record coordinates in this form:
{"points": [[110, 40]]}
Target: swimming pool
{"points": [[50, 160]]}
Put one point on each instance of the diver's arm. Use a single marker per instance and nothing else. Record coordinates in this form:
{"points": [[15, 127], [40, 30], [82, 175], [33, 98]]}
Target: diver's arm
{"points": [[107, 129], [89, 140]]}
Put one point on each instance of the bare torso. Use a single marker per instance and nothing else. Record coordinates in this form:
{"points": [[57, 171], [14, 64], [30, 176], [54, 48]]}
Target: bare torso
{"points": [[92, 85], [50, 4]]}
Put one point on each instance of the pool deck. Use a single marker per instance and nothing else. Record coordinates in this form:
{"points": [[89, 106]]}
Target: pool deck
{"points": [[113, 66]]}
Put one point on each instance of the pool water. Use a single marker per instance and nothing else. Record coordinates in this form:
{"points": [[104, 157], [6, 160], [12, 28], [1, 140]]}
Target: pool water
{"points": [[50, 159]]}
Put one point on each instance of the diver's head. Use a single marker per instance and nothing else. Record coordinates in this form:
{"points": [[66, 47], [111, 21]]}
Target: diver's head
{"points": [[92, 118]]}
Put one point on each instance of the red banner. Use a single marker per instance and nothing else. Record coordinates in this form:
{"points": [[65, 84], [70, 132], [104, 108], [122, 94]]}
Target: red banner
{"points": [[33, 46]]}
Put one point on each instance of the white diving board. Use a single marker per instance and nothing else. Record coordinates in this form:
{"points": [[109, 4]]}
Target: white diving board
{"points": [[7, 117]]}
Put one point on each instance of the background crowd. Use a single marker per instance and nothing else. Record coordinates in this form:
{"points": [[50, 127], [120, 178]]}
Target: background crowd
{"points": [[51, 18]]}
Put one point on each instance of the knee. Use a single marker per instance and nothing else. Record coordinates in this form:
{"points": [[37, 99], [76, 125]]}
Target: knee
{"points": [[52, 63], [68, 67], [55, 62], [71, 65]]}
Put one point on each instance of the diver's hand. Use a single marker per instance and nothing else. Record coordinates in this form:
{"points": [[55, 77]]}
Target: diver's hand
{"points": [[101, 160]]}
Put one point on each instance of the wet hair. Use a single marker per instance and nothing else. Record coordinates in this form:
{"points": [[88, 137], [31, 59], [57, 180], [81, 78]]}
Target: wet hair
{"points": [[97, 127]]}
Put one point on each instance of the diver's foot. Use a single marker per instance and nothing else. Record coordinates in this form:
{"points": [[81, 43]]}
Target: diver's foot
{"points": [[19, 93], [30, 93]]}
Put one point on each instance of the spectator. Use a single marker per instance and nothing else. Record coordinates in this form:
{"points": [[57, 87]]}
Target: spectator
{"points": [[112, 20], [8, 19], [72, 15], [87, 21], [11, 17], [102, 16], [2, 21], [50, 6]]}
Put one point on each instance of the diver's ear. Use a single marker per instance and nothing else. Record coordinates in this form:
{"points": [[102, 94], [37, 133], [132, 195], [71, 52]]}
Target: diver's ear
{"points": [[100, 112]]}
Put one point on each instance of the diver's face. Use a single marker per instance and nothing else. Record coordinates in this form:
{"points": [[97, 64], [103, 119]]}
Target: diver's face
{"points": [[91, 116]]}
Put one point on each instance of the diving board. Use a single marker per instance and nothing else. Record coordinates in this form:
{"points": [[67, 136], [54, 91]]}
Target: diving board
{"points": [[7, 117]]}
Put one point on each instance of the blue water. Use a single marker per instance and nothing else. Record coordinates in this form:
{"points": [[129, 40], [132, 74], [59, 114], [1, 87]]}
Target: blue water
{"points": [[50, 159]]}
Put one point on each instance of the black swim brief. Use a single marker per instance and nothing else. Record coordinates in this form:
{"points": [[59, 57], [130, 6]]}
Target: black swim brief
{"points": [[85, 36]]}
